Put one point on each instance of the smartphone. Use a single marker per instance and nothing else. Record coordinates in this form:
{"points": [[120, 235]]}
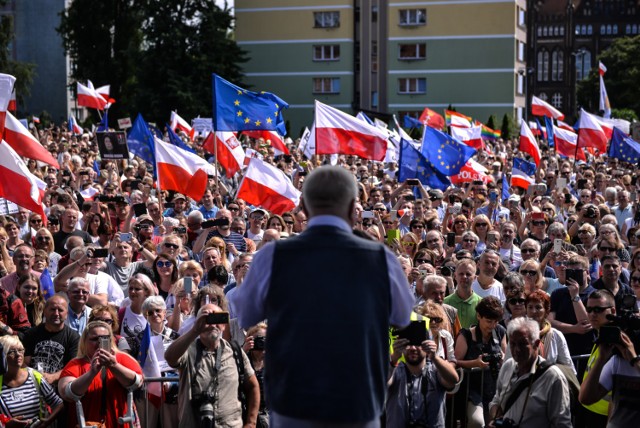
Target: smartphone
{"points": [[394, 215], [415, 332], [220, 222], [208, 223], [105, 342], [139, 209], [567, 198], [125, 237], [477, 182], [576, 274], [367, 214], [491, 238], [452, 199], [180, 229], [451, 239], [557, 246], [413, 182], [537, 216], [392, 234], [66, 173], [593, 194], [218, 318], [100, 252], [581, 183], [409, 198], [609, 334], [561, 183], [187, 282], [633, 196]]}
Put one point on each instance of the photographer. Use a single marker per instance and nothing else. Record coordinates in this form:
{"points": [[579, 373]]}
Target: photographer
{"points": [[210, 375], [530, 392]]}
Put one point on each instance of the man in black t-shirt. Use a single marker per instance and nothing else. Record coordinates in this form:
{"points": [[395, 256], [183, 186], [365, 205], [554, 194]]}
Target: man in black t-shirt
{"points": [[68, 221], [52, 344]]}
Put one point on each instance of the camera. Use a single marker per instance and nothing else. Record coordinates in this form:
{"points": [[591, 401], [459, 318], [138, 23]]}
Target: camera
{"points": [[627, 318], [203, 404], [504, 423], [495, 362], [259, 342], [591, 212], [447, 270]]}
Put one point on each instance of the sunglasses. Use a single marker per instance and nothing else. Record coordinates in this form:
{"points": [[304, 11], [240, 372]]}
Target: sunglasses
{"points": [[516, 301], [43, 238], [162, 264], [36, 221], [635, 279], [527, 250], [104, 320], [151, 312], [482, 224], [417, 226], [168, 245], [380, 209], [234, 209], [539, 223], [597, 309], [529, 272], [423, 261], [470, 241], [607, 249], [435, 320]]}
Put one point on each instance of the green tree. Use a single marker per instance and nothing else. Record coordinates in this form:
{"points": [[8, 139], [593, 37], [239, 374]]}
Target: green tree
{"points": [[508, 128], [622, 60], [23, 72], [157, 56], [624, 113], [491, 123]]}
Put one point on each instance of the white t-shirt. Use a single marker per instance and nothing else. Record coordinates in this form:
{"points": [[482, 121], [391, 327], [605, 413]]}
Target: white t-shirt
{"points": [[104, 284], [132, 324], [494, 290]]}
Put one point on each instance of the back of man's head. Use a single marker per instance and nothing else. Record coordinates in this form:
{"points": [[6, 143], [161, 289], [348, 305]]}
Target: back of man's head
{"points": [[329, 190]]}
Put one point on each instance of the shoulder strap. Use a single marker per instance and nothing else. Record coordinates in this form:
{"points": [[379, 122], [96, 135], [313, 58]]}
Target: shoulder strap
{"points": [[237, 356], [38, 382], [542, 368]]}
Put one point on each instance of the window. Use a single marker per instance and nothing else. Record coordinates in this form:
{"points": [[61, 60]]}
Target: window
{"points": [[413, 85], [589, 29], [539, 31], [557, 65], [413, 17], [543, 66], [545, 31], [556, 100], [326, 19], [543, 96], [326, 52], [615, 29], [583, 64], [374, 56], [522, 18], [627, 29], [521, 51], [412, 51], [519, 84], [374, 13], [326, 85], [374, 99], [562, 30], [634, 29]]}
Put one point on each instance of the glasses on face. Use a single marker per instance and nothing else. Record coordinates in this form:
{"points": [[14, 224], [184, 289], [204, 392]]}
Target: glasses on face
{"points": [[80, 292], [164, 264], [482, 224], [234, 209], [423, 261], [15, 352], [152, 312], [538, 223], [387, 222], [241, 265], [635, 279], [561, 263], [409, 244], [606, 232], [469, 241], [528, 272], [580, 232], [597, 309], [607, 249], [380, 209], [104, 320], [43, 238], [417, 226], [459, 222], [527, 250], [516, 301], [170, 245], [435, 320], [36, 221]]}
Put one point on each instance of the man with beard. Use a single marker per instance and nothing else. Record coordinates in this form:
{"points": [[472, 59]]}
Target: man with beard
{"points": [[52, 344], [23, 261], [210, 376], [417, 387]]}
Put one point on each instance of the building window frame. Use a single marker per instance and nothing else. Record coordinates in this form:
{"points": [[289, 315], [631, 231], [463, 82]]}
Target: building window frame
{"points": [[412, 51], [324, 53], [557, 66], [412, 17], [556, 100], [326, 19], [326, 85], [412, 85], [543, 66]]}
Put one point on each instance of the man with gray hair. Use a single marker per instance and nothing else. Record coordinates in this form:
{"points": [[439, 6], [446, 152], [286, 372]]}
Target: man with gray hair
{"points": [[530, 250], [78, 315], [610, 195], [556, 230], [530, 392], [434, 287], [366, 289], [624, 210]]}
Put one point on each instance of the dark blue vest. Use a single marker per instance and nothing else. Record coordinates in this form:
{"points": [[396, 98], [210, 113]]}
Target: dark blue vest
{"points": [[328, 311]]}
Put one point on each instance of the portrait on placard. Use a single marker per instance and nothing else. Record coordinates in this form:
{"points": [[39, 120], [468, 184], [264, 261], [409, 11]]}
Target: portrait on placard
{"points": [[113, 145]]}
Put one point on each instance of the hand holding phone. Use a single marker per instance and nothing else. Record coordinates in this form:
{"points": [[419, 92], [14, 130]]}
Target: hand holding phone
{"points": [[187, 283]]}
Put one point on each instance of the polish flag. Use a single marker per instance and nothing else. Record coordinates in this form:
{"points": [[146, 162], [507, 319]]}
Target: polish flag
{"points": [[543, 108], [528, 143], [179, 123], [339, 133], [251, 154], [472, 136], [229, 150], [606, 126], [565, 125], [24, 143], [590, 133], [104, 91], [471, 171], [17, 184], [73, 126], [520, 179], [6, 88], [181, 170], [88, 97], [266, 186], [13, 103], [566, 143], [270, 137]]}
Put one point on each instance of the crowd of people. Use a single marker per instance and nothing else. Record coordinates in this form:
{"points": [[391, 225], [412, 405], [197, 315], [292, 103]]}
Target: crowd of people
{"points": [[527, 301]]}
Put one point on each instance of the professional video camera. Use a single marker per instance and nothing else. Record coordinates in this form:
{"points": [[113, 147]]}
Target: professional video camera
{"points": [[628, 318]]}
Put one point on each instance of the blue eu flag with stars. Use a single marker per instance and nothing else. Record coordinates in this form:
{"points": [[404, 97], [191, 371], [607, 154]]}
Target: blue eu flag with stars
{"points": [[237, 109], [624, 147], [177, 141], [445, 153], [529, 168], [413, 164], [141, 143]]}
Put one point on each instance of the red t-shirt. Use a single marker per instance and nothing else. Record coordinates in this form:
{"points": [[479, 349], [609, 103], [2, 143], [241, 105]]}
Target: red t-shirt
{"points": [[92, 400]]}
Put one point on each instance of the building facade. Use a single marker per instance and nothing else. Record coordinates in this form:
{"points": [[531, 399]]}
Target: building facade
{"points": [[565, 39], [387, 57]]}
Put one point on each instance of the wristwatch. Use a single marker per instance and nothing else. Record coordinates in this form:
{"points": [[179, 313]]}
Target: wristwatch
{"points": [[576, 298], [634, 360]]}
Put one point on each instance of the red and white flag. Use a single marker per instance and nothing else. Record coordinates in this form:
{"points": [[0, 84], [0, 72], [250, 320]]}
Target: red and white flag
{"points": [[104, 91], [266, 186], [543, 108], [182, 171], [7, 82], [229, 151], [565, 125], [13, 103], [24, 143], [471, 171], [251, 154], [89, 97], [605, 105], [432, 119], [340, 133], [17, 184], [272, 138], [528, 143], [590, 133], [566, 143], [471, 136], [179, 123], [73, 126]]}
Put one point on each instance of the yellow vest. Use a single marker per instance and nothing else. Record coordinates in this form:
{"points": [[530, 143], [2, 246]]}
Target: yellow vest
{"points": [[600, 407]]}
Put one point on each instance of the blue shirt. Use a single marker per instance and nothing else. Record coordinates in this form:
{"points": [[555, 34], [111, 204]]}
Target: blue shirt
{"points": [[250, 298], [78, 322], [208, 214]]}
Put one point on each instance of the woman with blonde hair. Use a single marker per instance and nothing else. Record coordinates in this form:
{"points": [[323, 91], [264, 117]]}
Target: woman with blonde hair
{"points": [[481, 226], [439, 327], [44, 241], [222, 247], [100, 368]]}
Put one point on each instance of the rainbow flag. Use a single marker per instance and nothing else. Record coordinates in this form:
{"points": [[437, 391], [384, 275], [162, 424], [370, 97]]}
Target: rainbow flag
{"points": [[458, 119], [488, 133]]}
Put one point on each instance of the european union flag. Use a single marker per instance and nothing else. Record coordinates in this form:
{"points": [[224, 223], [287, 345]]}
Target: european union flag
{"points": [[236, 109], [505, 188], [177, 141], [412, 122], [96, 167], [527, 167], [445, 153], [414, 165], [548, 123], [141, 144], [145, 344], [104, 123], [46, 284], [623, 147]]}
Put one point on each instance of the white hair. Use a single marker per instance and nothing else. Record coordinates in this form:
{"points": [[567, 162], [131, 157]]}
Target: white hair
{"points": [[531, 327]]}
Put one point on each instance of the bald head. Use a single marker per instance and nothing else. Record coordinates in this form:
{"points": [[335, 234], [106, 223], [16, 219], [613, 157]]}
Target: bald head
{"points": [[329, 190]]}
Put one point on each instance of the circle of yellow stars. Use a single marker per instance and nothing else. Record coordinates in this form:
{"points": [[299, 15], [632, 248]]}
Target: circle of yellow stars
{"points": [[247, 120]]}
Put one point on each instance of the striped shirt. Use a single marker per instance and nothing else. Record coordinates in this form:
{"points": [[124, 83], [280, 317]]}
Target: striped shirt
{"points": [[24, 400]]}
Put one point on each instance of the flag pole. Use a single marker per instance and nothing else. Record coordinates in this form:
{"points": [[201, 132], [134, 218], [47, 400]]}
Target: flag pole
{"points": [[159, 189], [215, 158]]}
